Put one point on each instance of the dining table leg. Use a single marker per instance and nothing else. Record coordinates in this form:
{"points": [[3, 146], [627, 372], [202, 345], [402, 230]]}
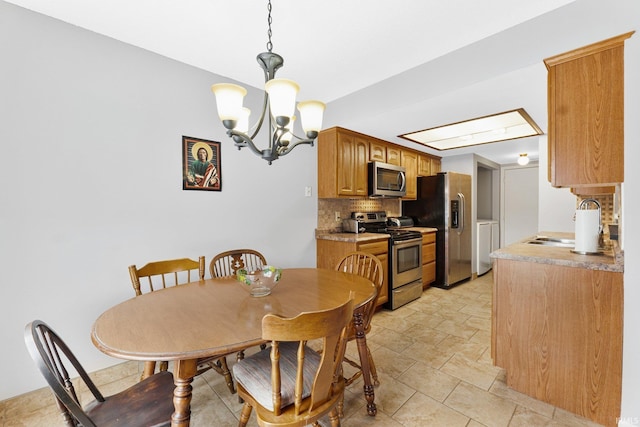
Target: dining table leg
{"points": [[183, 373], [361, 341]]}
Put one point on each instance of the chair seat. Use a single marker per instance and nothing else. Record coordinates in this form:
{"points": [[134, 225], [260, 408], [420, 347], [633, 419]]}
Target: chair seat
{"points": [[130, 407], [254, 374]]}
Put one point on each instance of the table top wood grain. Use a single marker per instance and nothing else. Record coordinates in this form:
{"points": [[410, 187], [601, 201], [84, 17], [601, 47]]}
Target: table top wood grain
{"points": [[215, 316]]}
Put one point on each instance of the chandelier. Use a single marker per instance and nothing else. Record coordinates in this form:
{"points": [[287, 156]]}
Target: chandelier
{"points": [[278, 107]]}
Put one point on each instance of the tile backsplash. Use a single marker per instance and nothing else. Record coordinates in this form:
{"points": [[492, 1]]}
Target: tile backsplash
{"points": [[327, 209]]}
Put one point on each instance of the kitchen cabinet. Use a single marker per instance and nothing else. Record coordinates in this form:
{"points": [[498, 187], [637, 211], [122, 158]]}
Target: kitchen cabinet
{"points": [[377, 151], [586, 115], [593, 191], [436, 165], [557, 328], [329, 253], [409, 160], [428, 259], [424, 165], [428, 165], [393, 155], [343, 156]]}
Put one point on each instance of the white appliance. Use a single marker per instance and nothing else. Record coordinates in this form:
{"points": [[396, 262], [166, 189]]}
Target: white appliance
{"points": [[488, 240]]}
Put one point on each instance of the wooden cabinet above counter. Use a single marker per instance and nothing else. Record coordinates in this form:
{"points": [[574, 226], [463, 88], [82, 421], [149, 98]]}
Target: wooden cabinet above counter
{"points": [[586, 115], [343, 156]]}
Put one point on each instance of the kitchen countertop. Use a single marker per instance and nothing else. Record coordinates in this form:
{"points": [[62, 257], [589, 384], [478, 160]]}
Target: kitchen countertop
{"points": [[363, 237], [612, 258]]}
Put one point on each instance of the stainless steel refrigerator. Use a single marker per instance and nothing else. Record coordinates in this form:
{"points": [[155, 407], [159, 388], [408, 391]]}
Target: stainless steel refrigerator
{"points": [[444, 202]]}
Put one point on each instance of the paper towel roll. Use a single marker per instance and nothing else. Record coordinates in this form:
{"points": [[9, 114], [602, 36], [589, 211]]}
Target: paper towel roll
{"points": [[587, 230]]}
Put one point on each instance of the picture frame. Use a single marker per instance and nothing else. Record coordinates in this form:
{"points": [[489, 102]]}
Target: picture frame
{"points": [[201, 164]]}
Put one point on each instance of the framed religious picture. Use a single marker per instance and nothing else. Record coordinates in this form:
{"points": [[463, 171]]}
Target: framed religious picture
{"points": [[201, 164]]}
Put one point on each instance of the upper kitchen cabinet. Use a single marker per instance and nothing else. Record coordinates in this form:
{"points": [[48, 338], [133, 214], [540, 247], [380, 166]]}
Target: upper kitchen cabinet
{"points": [[393, 155], [586, 115], [409, 160], [343, 156], [378, 151], [424, 165], [436, 165], [428, 165]]}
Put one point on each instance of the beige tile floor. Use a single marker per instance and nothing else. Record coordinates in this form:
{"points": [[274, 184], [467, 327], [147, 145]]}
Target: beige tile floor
{"points": [[434, 364]]}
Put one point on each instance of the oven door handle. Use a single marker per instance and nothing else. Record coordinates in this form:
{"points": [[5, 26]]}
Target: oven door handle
{"points": [[409, 242]]}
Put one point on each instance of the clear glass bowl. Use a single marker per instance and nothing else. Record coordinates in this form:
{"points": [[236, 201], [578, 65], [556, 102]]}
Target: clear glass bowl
{"points": [[259, 283]]}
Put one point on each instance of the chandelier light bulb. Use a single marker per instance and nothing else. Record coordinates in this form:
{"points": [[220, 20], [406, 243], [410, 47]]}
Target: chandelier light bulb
{"points": [[243, 120], [523, 159], [288, 135]]}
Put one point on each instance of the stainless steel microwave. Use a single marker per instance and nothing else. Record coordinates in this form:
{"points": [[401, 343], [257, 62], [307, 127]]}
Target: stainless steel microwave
{"points": [[386, 180]]}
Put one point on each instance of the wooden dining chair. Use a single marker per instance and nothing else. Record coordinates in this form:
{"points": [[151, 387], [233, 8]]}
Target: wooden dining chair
{"points": [[290, 384], [227, 263], [368, 266], [160, 274], [147, 403]]}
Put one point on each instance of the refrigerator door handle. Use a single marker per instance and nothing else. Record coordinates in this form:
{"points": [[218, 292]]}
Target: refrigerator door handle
{"points": [[461, 214]]}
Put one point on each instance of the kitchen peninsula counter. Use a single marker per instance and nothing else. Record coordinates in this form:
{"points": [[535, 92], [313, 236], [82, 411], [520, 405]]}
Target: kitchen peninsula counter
{"points": [[556, 326], [612, 258]]}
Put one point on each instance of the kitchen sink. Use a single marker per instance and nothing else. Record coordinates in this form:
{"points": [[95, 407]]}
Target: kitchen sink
{"points": [[552, 241]]}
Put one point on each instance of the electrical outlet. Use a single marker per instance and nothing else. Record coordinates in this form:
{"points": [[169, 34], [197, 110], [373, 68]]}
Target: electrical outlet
{"points": [[337, 216], [307, 191]]}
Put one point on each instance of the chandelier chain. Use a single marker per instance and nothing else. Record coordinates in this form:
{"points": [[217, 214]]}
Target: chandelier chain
{"points": [[269, 44]]}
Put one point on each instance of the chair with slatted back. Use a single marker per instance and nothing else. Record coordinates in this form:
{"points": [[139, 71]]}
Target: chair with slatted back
{"points": [[289, 384], [368, 266], [227, 263], [160, 274], [147, 403]]}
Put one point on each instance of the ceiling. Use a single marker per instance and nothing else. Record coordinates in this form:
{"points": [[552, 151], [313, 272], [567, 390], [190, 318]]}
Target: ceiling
{"points": [[333, 48]]}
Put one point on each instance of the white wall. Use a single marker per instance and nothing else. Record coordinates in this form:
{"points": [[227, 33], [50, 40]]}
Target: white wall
{"points": [[519, 208], [556, 205], [90, 168]]}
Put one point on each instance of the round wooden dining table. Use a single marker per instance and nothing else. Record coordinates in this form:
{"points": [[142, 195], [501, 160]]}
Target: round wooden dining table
{"points": [[216, 317]]}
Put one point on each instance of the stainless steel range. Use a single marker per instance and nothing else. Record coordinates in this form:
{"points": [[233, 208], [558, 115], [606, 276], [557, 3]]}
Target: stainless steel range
{"points": [[405, 256]]}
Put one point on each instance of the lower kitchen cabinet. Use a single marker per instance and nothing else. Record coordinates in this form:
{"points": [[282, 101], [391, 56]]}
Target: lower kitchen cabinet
{"points": [[428, 258], [557, 332], [329, 253]]}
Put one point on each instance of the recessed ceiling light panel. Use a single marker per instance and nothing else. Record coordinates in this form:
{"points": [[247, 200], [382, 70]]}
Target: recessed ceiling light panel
{"points": [[482, 130]]}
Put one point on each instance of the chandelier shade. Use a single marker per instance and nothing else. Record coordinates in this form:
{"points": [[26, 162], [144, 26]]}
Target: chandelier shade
{"points": [[278, 108], [229, 99], [311, 113], [282, 98]]}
